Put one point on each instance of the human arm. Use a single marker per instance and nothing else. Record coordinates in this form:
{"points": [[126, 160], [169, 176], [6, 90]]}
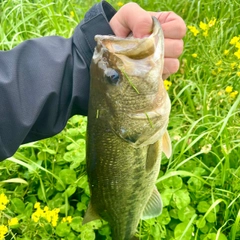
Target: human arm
{"points": [[45, 81]]}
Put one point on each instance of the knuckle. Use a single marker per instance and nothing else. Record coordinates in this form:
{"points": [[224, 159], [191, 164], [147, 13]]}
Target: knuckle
{"points": [[181, 25], [131, 4]]}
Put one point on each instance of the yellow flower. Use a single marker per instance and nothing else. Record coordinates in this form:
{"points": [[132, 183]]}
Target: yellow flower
{"points": [[46, 209], [194, 30], [238, 73], [167, 84], [226, 52], [219, 63], [237, 54], [228, 89], [233, 65], [2, 207], [3, 231], [234, 94], [37, 215], [67, 219], [220, 93], [205, 33], [54, 221], [47, 214], [194, 55], [237, 45], [54, 217], [50, 215], [120, 4], [37, 205], [219, 70], [13, 221], [3, 201], [212, 22], [234, 40], [203, 26], [72, 14]]}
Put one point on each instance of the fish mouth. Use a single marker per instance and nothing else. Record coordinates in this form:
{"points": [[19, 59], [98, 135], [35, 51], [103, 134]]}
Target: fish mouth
{"points": [[135, 48], [132, 57]]}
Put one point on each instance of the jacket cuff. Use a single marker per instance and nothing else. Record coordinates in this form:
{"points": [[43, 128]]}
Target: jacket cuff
{"points": [[96, 21]]}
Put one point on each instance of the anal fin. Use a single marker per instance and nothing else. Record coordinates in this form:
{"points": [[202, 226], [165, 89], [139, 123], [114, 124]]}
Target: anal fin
{"points": [[154, 206], [90, 215]]}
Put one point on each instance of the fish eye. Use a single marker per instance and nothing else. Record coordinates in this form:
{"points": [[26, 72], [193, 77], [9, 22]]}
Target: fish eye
{"points": [[112, 76]]}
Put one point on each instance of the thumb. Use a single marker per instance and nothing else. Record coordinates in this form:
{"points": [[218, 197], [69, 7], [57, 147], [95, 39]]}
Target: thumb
{"points": [[131, 18]]}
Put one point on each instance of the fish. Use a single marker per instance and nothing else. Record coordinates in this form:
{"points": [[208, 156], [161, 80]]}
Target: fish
{"points": [[128, 116]]}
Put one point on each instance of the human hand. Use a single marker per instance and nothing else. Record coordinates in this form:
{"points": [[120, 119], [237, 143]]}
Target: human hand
{"points": [[132, 18]]}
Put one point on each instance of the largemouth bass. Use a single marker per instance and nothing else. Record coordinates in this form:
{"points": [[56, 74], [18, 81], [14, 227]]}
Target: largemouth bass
{"points": [[127, 130]]}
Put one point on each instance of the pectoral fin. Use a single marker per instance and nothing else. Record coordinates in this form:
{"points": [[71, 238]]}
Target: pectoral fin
{"points": [[90, 215], [153, 154], [166, 145], [154, 206]]}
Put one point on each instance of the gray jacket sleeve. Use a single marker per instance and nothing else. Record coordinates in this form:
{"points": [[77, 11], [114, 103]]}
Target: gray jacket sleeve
{"points": [[45, 81]]}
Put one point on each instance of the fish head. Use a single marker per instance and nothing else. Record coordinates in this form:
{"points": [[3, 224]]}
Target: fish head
{"points": [[128, 82], [130, 65]]}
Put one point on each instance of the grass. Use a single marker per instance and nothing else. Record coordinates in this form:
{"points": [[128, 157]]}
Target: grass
{"points": [[200, 184]]}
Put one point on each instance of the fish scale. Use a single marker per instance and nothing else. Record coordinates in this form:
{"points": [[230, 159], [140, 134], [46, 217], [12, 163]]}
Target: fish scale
{"points": [[126, 131], [129, 214], [108, 165]]}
